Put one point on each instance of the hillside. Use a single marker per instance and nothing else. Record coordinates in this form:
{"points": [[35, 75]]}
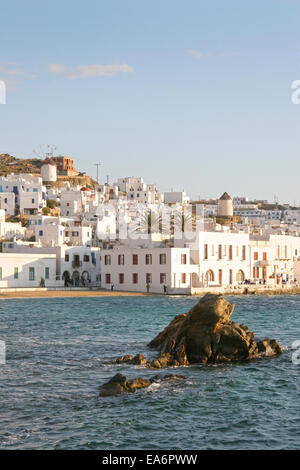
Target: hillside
{"points": [[10, 164]]}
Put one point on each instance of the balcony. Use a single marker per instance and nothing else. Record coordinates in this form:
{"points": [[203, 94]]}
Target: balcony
{"points": [[263, 264]]}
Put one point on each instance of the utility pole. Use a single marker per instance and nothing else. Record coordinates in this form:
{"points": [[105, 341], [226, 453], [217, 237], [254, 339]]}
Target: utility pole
{"points": [[97, 165]]}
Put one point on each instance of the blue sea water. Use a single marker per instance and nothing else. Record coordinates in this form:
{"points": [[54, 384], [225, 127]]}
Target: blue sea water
{"points": [[58, 353]]}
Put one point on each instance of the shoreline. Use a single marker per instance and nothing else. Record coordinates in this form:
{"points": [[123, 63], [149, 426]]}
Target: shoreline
{"points": [[22, 293], [45, 293]]}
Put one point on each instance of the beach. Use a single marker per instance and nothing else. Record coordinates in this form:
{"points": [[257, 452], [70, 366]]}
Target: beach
{"points": [[23, 293]]}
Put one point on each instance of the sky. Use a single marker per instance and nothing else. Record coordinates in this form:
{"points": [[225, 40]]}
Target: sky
{"points": [[191, 95]]}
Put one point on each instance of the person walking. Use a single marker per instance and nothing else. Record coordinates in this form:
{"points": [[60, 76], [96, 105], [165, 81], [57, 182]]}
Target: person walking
{"points": [[165, 289]]}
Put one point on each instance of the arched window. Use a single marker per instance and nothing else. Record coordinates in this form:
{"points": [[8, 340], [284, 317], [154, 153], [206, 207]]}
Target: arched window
{"points": [[240, 276], [209, 276]]}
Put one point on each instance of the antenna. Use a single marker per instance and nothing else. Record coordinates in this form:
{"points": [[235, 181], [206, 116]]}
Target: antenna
{"points": [[97, 165]]}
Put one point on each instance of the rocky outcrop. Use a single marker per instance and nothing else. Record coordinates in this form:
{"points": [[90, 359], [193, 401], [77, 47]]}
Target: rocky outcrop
{"points": [[119, 384], [139, 359], [207, 335]]}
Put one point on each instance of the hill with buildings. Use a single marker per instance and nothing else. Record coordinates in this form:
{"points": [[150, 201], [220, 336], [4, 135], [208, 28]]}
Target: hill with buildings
{"points": [[10, 164]]}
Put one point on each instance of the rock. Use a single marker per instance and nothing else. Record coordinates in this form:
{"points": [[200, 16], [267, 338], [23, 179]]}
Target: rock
{"points": [[167, 378], [139, 359], [207, 335], [115, 386], [119, 385]]}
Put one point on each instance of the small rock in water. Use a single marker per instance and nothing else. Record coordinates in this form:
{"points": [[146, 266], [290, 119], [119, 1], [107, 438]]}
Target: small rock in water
{"points": [[119, 384]]}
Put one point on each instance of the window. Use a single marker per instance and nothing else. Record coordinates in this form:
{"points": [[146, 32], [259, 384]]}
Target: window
{"points": [[183, 259], [135, 278], [16, 273], [220, 251], [121, 278], [32, 200], [35, 190], [205, 251], [148, 259], [47, 270], [31, 274], [107, 259], [148, 278], [244, 253], [230, 252], [67, 258], [285, 251], [183, 278], [0, 274], [212, 250], [86, 258], [5, 200], [121, 259], [255, 256], [162, 258], [135, 259], [107, 278], [264, 256], [163, 278], [41, 233]]}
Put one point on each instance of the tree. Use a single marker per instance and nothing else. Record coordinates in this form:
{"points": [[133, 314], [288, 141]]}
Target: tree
{"points": [[45, 211], [51, 203]]}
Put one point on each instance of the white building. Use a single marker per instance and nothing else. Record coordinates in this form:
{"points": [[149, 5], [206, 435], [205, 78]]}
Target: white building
{"points": [[173, 197], [70, 203], [10, 230], [132, 269], [138, 191], [27, 270], [7, 202], [75, 265], [28, 191]]}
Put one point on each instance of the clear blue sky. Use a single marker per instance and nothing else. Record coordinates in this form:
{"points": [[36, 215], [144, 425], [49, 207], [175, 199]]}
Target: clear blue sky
{"points": [[189, 94]]}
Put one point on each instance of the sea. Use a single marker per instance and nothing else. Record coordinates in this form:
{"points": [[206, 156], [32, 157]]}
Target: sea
{"points": [[59, 352]]}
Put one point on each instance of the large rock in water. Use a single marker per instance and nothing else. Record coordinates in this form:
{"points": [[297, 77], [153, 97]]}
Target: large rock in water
{"points": [[207, 335]]}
